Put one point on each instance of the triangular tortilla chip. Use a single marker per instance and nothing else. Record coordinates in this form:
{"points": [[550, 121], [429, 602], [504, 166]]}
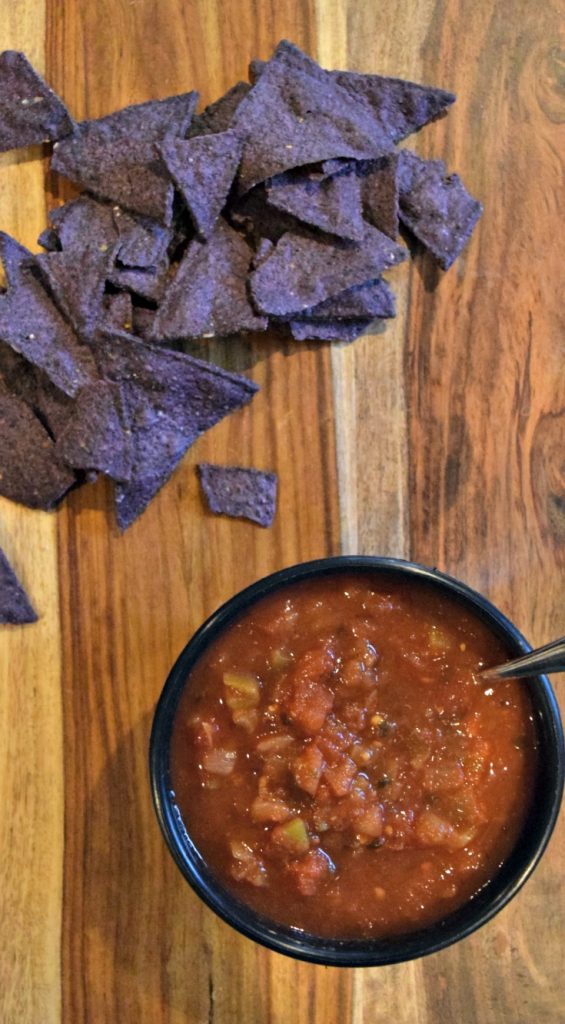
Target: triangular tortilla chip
{"points": [[208, 295], [303, 271], [297, 114], [436, 206], [30, 112], [84, 222], [31, 473], [398, 107], [171, 399], [15, 606], [76, 281], [148, 121], [333, 204], [194, 394], [366, 300], [97, 435], [143, 243], [31, 324], [328, 330], [158, 447], [126, 171], [203, 169], [240, 492]]}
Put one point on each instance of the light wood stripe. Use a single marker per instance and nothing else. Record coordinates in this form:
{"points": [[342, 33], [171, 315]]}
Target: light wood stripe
{"points": [[31, 752]]}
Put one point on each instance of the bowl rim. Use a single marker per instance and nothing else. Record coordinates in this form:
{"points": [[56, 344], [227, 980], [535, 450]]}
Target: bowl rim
{"points": [[295, 942]]}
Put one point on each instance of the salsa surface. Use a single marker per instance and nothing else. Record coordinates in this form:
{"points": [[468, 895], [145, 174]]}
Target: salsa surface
{"points": [[338, 764]]}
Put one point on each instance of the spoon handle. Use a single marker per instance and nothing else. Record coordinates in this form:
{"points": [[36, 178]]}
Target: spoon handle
{"points": [[550, 658]]}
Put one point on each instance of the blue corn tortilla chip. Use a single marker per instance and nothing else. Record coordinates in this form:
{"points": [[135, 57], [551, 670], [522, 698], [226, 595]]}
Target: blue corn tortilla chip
{"points": [[400, 107], [373, 299], [15, 607], [436, 207], [203, 170], [253, 215], [333, 204], [14, 257], [303, 271], [158, 447], [30, 112], [97, 435], [84, 222], [143, 321], [149, 283], [379, 193], [142, 243], [31, 472], [49, 240], [328, 330], [194, 394], [256, 67], [148, 121], [171, 399], [127, 171], [218, 116], [31, 325], [208, 295], [117, 312], [297, 114], [239, 492], [76, 280]]}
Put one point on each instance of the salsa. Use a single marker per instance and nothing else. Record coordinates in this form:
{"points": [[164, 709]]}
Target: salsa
{"points": [[338, 763]]}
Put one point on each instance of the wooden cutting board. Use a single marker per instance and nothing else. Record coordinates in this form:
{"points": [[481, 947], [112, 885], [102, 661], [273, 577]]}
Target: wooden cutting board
{"points": [[441, 439]]}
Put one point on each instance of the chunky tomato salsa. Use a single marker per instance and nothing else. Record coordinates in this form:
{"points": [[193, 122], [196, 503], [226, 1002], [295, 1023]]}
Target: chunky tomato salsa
{"points": [[340, 766]]}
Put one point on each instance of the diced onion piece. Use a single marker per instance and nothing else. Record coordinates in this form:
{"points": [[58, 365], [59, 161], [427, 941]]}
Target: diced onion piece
{"points": [[274, 744], [292, 836], [269, 809], [280, 659], [242, 690], [248, 867], [247, 719], [219, 762]]}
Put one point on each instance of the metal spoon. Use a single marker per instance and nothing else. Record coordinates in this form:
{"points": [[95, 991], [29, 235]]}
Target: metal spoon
{"points": [[550, 658]]}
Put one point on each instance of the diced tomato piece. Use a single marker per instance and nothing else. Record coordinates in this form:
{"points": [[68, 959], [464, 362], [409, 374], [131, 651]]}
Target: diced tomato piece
{"points": [[310, 871], [307, 769], [442, 776], [340, 776], [311, 700], [370, 823]]}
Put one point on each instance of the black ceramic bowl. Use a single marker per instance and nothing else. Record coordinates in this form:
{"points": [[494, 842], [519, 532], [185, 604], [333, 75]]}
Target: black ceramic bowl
{"points": [[371, 952]]}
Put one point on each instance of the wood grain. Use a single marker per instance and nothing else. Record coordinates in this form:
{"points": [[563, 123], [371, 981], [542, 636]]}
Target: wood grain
{"points": [[441, 439], [31, 777]]}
